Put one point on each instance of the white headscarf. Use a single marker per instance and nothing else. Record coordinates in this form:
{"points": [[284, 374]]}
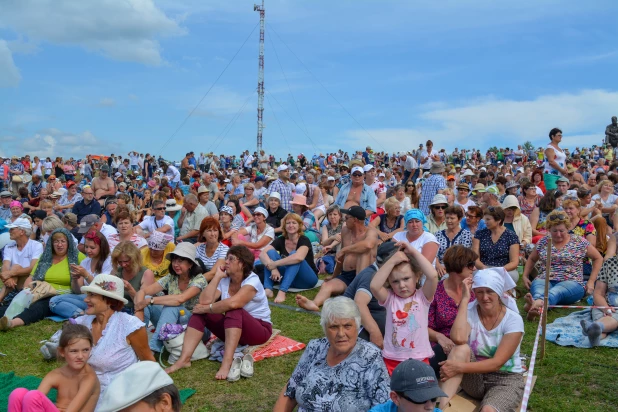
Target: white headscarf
{"points": [[498, 280]]}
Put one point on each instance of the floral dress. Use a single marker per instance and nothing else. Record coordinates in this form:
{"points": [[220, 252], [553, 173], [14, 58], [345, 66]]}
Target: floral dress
{"points": [[584, 228], [566, 263], [525, 207]]}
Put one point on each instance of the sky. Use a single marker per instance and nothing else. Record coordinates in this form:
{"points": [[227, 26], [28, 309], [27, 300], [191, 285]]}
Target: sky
{"points": [[170, 76]]}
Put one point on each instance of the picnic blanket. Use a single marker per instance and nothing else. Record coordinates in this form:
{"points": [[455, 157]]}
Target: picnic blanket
{"points": [[9, 382], [277, 345], [296, 290], [567, 331]]}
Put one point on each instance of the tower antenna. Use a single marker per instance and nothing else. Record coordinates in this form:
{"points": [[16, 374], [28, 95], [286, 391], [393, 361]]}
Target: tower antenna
{"points": [[260, 108]]}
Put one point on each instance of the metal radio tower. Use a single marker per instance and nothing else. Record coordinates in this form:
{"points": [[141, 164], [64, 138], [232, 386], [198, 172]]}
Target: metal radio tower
{"points": [[260, 108]]}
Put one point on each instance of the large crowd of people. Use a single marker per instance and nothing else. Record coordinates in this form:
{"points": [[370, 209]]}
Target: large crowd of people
{"points": [[422, 250]]}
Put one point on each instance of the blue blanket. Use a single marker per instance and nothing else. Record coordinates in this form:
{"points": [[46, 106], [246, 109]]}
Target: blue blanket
{"points": [[567, 331]]}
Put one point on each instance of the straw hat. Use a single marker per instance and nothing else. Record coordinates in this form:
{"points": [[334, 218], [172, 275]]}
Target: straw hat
{"points": [[107, 285]]}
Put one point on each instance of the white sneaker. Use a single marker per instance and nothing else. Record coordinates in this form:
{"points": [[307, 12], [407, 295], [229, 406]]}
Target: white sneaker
{"points": [[246, 369], [234, 374]]}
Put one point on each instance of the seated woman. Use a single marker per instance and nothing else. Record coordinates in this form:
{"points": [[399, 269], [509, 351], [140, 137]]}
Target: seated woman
{"points": [[182, 287], [228, 227], [299, 206], [259, 233], [390, 223], [459, 264], [120, 340], [249, 200], [314, 197], [399, 193], [516, 221], [331, 240], [548, 203], [98, 261], [607, 201], [210, 250], [235, 309], [473, 220], [157, 222], [604, 321], [566, 285], [127, 264], [123, 219], [495, 245], [339, 369], [492, 332], [154, 256], [580, 226], [52, 267], [529, 199], [289, 260], [242, 215], [435, 219], [452, 235], [275, 212]]}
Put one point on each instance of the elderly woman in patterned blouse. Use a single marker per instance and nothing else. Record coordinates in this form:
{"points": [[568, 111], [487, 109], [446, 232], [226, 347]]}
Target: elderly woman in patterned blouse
{"points": [[452, 235], [338, 372], [566, 284]]}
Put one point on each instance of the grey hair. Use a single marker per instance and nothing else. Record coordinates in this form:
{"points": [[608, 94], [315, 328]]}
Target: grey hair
{"points": [[190, 197], [339, 307], [51, 223]]}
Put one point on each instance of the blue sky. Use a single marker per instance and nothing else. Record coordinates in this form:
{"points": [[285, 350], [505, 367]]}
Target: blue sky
{"points": [[113, 76]]}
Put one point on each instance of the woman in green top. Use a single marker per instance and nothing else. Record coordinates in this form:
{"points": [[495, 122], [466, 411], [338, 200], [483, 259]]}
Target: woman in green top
{"points": [[127, 264], [183, 285], [53, 267]]}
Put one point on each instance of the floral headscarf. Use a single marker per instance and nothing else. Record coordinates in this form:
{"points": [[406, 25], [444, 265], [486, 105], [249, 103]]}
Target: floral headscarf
{"points": [[45, 261]]}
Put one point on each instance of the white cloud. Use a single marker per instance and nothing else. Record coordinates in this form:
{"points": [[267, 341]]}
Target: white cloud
{"points": [[9, 74], [107, 102], [491, 121], [123, 30], [54, 142]]}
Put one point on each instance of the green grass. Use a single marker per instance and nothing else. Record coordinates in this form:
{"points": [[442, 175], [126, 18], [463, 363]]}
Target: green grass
{"points": [[569, 379]]}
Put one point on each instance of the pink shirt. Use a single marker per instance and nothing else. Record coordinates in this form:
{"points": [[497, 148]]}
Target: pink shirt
{"points": [[406, 335]]}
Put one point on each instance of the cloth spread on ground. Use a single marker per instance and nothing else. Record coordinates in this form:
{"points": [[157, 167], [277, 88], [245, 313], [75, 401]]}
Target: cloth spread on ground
{"points": [[277, 345], [57, 319], [296, 290], [567, 331], [9, 382]]}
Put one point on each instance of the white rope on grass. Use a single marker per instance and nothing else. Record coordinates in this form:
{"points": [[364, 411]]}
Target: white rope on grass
{"points": [[528, 386]]}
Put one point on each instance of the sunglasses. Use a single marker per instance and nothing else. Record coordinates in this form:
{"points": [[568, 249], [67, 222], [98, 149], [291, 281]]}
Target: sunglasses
{"points": [[419, 403], [558, 216], [471, 265], [357, 174], [439, 207], [159, 208]]}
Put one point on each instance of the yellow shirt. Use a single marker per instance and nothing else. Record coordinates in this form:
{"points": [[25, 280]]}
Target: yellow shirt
{"points": [[162, 269], [59, 275]]}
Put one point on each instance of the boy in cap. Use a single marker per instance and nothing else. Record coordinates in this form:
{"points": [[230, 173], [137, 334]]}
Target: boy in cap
{"points": [[414, 387]]}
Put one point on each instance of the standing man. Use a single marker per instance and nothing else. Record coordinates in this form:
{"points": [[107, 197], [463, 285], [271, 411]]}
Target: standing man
{"points": [[16, 169], [428, 156], [432, 186], [184, 166], [282, 187], [248, 163], [134, 161]]}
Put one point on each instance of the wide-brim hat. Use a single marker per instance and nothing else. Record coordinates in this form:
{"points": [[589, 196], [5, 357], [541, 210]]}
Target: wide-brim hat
{"points": [[468, 172], [479, 187], [107, 285], [439, 199], [436, 167], [463, 186], [511, 184], [300, 200], [172, 206], [184, 249]]}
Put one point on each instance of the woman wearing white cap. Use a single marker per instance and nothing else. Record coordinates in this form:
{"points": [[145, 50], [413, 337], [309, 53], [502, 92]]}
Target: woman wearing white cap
{"points": [[182, 287], [120, 339], [491, 329], [260, 234], [275, 212]]}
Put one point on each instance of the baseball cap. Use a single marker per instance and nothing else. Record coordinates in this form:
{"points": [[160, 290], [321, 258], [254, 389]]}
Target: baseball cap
{"points": [[87, 222], [21, 223], [105, 168], [70, 218], [5, 193], [282, 168], [416, 380], [357, 169], [356, 212], [367, 168], [330, 178]]}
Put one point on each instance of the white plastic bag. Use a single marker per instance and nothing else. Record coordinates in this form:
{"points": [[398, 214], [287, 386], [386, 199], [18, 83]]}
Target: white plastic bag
{"points": [[19, 303]]}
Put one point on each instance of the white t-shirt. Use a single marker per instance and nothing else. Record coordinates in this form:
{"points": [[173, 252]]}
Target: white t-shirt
{"points": [[418, 244], [150, 224], [611, 199], [48, 168], [466, 205], [255, 236], [258, 306], [485, 343], [410, 163], [429, 161], [23, 258], [106, 268]]}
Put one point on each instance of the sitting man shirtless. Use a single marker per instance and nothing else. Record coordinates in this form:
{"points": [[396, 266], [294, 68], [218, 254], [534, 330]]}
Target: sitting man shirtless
{"points": [[103, 185], [359, 246]]}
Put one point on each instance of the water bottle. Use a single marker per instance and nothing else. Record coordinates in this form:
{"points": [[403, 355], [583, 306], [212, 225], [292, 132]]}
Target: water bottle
{"points": [[183, 319]]}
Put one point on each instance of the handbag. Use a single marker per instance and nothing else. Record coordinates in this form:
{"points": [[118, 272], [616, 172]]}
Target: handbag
{"points": [[41, 290], [174, 347], [17, 179]]}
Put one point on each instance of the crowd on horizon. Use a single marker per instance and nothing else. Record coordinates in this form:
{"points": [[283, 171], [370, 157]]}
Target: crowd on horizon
{"points": [[422, 250]]}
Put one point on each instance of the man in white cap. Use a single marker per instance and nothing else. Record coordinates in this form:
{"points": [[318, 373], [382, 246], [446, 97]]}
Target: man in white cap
{"points": [[378, 187], [282, 187], [357, 193], [20, 257]]}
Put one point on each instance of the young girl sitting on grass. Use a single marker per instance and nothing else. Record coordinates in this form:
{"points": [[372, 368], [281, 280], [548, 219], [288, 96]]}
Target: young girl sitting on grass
{"points": [[396, 286], [76, 382]]}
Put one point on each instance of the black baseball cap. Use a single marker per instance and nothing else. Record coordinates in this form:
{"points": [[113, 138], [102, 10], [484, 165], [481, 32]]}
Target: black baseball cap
{"points": [[385, 251], [416, 380], [356, 212]]}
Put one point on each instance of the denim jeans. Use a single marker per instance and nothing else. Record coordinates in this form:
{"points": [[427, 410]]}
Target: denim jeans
{"points": [[68, 305], [299, 276], [560, 293], [159, 315]]}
